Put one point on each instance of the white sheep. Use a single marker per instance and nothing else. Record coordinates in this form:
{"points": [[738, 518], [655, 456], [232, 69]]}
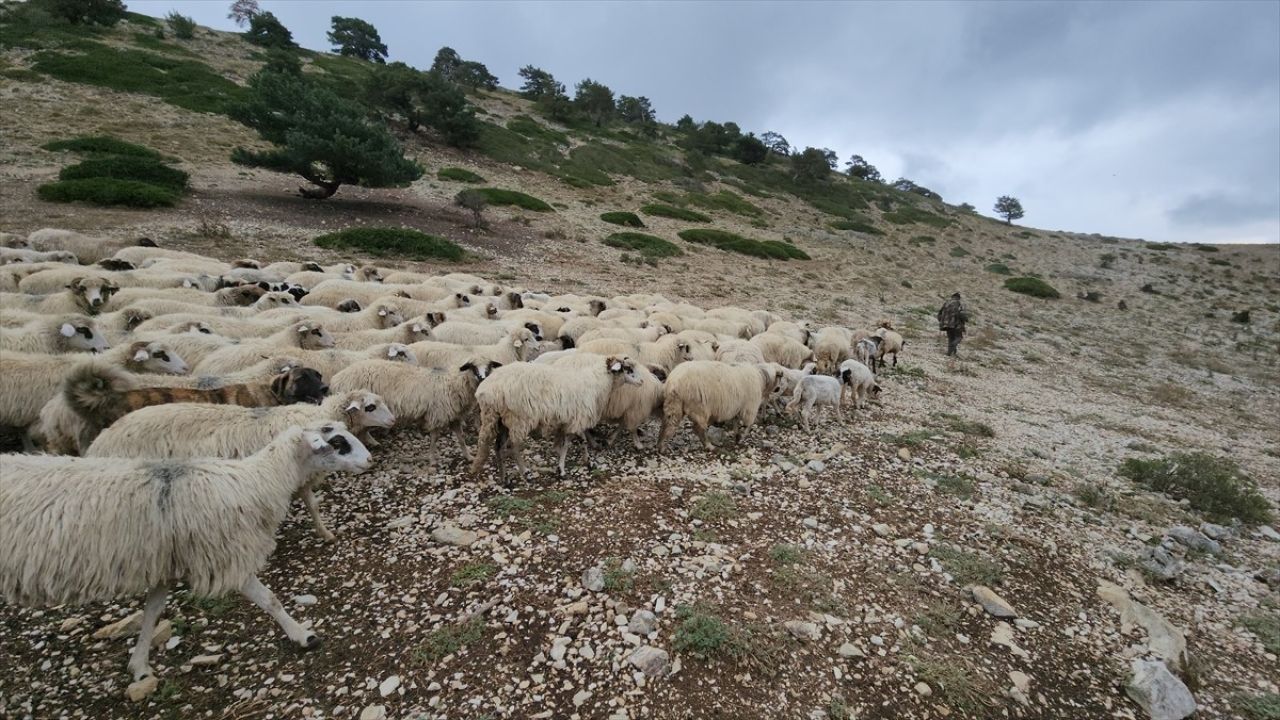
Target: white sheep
{"points": [[479, 333], [831, 346], [303, 335], [630, 335], [53, 335], [800, 332], [565, 399], [575, 327], [515, 346], [720, 326], [754, 323], [891, 343], [88, 249], [867, 350], [411, 331], [87, 295], [161, 306], [670, 321], [714, 392], [376, 316], [436, 400], [820, 390], [79, 530], [23, 255], [739, 351], [858, 380], [782, 349]]}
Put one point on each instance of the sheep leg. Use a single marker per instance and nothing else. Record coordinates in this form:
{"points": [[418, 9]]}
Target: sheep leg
{"points": [[313, 508], [517, 451], [433, 451], [139, 659], [700, 429], [562, 446], [462, 441], [261, 595], [586, 451]]}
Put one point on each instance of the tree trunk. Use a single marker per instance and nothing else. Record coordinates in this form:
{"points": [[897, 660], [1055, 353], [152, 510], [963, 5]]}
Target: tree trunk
{"points": [[322, 191]]}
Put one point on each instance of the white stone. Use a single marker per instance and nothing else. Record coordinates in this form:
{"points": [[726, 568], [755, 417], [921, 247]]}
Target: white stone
{"points": [[1159, 691], [388, 686], [374, 712]]}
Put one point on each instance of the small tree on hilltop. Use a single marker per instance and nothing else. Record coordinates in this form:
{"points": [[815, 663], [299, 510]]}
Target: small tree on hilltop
{"points": [[966, 207], [242, 11], [1008, 208], [833, 160], [353, 37], [86, 12], [777, 144], [320, 136], [423, 99], [857, 167], [750, 150], [447, 62], [595, 100], [184, 28], [810, 165], [538, 83], [267, 30], [474, 75]]}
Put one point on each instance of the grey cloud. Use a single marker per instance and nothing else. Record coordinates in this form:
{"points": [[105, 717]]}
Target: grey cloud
{"points": [[1223, 209]]}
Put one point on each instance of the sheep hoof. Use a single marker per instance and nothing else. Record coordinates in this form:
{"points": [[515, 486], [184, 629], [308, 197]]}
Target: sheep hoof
{"points": [[311, 642], [327, 536]]}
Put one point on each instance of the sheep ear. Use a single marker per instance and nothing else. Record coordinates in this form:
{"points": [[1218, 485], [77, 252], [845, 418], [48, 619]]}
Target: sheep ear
{"points": [[188, 283], [517, 343], [615, 365], [352, 407], [466, 368], [67, 330], [142, 355], [303, 329], [416, 327], [382, 312], [316, 441], [494, 366], [278, 385]]}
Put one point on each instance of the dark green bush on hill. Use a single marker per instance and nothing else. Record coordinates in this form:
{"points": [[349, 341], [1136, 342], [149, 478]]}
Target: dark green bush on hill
{"points": [[675, 213], [266, 30], [127, 167], [731, 242], [497, 196], [84, 12], [459, 175], [629, 219], [999, 269], [100, 145], [1213, 485], [646, 245], [1032, 286], [108, 191], [183, 27], [392, 242]]}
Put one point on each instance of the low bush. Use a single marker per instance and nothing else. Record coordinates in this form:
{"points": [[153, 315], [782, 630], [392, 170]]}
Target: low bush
{"points": [[459, 175], [183, 27], [100, 145], [646, 245], [999, 269], [675, 213], [723, 200], [1213, 485], [628, 219], [497, 196], [1207, 248], [108, 191], [907, 215], [1035, 287], [729, 242], [392, 242], [127, 167]]}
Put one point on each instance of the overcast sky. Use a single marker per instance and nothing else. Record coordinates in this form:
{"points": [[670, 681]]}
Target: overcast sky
{"points": [[1140, 119]]}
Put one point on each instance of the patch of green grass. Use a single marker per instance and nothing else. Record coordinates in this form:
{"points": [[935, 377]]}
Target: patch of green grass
{"points": [[838, 709], [675, 213], [909, 214], [729, 242], [966, 567], [999, 269], [954, 485], [148, 41], [473, 573], [784, 554], [956, 685], [508, 505], [1035, 287], [701, 633], [448, 640], [968, 427], [498, 196], [923, 240], [1264, 706], [1267, 627], [912, 439], [940, 618], [214, 607], [459, 175], [647, 245], [127, 167], [617, 579], [621, 217], [723, 200], [878, 495], [186, 83], [108, 191], [860, 224], [530, 128], [596, 161], [713, 506], [967, 451], [1214, 485], [391, 242], [101, 145], [957, 252], [1161, 246], [1093, 495]]}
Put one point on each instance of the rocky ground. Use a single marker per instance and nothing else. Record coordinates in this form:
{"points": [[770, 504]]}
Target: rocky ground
{"points": [[837, 573]]}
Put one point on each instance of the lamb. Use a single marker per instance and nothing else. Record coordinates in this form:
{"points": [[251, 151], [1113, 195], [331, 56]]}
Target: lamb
{"points": [[87, 295], [815, 390], [830, 348], [28, 381], [859, 381], [303, 335], [516, 346], [782, 349], [891, 343], [666, 352], [140, 525], [567, 398], [709, 391], [407, 333], [739, 351], [867, 351], [670, 321], [23, 255], [55, 335], [437, 400]]}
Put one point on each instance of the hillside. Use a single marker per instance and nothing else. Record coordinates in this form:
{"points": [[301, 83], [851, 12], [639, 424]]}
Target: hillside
{"points": [[999, 468]]}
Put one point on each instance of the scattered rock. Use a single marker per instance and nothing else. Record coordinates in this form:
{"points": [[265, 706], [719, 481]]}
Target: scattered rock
{"points": [[1268, 532], [1003, 635], [1159, 691], [851, 650], [138, 691], [643, 622], [374, 712], [1160, 563], [923, 689], [388, 686], [652, 661], [1215, 532], [1194, 539], [904, 454], [205, 659], [581, 697], [816, 466], [120, 628], [305, 600], [401, 522], [803, 630], [1164, 639], [811, 523], [992, 603], [451, 535], [164, 631], [593, 578], [881, 529]]}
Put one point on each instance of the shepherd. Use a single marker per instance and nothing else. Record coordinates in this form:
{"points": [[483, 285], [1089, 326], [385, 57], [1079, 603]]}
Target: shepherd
{"points": [[952, 318]]}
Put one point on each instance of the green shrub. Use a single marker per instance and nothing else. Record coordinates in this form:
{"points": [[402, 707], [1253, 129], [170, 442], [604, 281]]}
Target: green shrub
{"points": [[1206, 248], [1213, 485], [723, 200], [730, 242], [862, 226], [101, 145], [497, 196], [448, 640], [909, 214], [646, 245], [127, 167], [1265, 706], [957, 251], [1032, 286], [184, 28], [999, 269], [459, 175], [108, 191], [700, 633], [628, 219], [392, 242], [1267, 627], [966, 567], [1161, 246], [675, 213]]}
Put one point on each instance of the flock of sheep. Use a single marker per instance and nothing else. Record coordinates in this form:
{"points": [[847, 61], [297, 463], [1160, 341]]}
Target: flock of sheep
{"points": [[171, 406]]}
